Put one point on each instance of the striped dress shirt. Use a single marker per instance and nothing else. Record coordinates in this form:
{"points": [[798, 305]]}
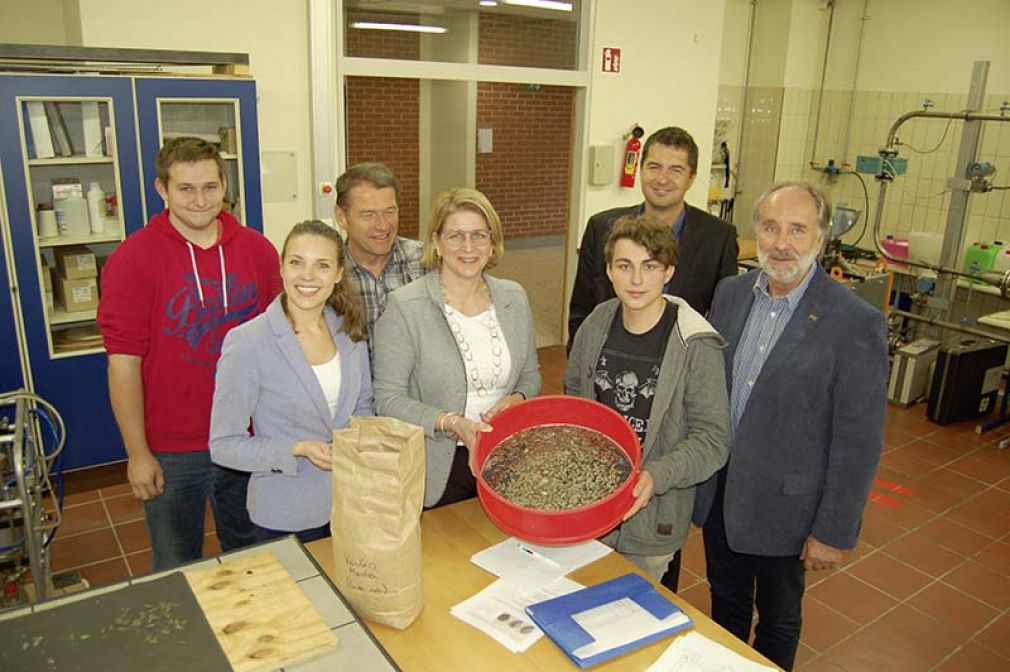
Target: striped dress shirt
{"points": [[767, 320]]}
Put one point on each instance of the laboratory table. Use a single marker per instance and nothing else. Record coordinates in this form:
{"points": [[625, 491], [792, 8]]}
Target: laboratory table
{"points": [[438, 641]]}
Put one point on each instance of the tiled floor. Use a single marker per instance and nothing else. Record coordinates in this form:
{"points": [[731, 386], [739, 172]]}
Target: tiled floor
{"points": [[103, 536], [928, 587]]}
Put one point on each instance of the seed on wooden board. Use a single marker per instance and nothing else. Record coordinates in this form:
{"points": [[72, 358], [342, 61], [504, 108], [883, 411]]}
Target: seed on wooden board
{"points": [[556, 467], [234, 627]]}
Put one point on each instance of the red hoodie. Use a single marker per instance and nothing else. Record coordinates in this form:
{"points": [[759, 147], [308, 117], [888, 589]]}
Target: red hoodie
{"points": [[151, 306]]}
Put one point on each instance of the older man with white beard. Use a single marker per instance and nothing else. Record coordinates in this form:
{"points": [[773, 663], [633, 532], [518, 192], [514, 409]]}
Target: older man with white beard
{"points": [[806, 368]]}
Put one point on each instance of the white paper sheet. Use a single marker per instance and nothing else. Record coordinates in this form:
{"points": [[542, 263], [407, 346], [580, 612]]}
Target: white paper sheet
{"points": [[92, 123], [694, 652], [511, 560], [500, 611]]}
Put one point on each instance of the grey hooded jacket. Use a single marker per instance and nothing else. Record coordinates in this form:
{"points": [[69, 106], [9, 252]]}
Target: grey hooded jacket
{"points": [[688, 436]]}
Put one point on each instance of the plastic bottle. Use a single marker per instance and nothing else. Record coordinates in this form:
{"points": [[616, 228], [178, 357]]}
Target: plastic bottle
{"points": [[96, 207], [1002, 263]]}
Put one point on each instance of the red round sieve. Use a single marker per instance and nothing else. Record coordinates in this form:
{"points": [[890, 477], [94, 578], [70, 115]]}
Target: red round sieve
{"points": [[571, 525]]}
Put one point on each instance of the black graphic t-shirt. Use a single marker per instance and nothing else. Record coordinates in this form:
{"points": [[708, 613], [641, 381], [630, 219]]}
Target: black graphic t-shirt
{"points": [[628, 368]]}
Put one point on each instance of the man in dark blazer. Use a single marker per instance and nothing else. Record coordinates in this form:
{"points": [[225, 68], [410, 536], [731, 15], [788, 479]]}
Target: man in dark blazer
{"points": [[807, 374], [708, 247]]}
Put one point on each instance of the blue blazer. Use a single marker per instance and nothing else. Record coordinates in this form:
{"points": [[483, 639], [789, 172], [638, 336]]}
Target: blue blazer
{"points": [[264, 378], [806, 449]]}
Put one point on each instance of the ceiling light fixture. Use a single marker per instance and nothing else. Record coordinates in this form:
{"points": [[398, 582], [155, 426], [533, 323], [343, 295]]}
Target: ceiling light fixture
{"points": [[542, 4], [404, 27], [488, 3]]}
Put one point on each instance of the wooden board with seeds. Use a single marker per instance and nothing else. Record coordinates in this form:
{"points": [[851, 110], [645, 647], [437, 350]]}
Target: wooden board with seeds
{"points": [[260, 616], [556, 467], [155, 625]]}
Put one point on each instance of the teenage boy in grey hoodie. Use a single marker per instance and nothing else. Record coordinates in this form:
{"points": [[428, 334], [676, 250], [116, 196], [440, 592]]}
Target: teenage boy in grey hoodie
{"points": [[655, 360]]}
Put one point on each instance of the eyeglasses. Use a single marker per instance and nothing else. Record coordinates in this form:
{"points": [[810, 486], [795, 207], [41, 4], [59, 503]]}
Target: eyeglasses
{"points": [[478, 238]]}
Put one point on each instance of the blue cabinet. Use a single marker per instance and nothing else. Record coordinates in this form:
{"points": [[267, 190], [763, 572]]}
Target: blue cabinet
{"points": [[217, 110], [103, 130]]}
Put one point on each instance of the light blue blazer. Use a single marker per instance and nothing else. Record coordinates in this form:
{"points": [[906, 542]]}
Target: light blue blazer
{"points": [[264, 378]]}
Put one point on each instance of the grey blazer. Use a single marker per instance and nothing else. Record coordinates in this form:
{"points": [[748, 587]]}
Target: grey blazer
{"points": [[263, 376], [419, 371], [806, 448]]}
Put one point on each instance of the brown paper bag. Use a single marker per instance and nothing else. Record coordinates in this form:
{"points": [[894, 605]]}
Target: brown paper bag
{"points": [[378, 491]]}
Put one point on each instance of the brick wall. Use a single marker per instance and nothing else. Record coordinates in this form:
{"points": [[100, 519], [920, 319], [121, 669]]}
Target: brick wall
{"points": [[528, 174], [383, 125], [535, 43], [382, 43]]}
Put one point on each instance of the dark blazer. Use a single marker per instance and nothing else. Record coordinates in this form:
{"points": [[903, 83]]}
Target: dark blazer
{"points": [[708, 251], [806, 448]]}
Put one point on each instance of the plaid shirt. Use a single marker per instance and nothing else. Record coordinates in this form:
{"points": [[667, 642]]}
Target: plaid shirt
{"points": [[403, 267]]}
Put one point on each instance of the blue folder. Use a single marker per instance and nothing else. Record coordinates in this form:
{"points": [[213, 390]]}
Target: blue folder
{"points": [[555, 616]]}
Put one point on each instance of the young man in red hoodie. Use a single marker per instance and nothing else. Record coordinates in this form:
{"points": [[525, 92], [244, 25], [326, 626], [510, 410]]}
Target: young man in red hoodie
{"points": [[170, 293]]}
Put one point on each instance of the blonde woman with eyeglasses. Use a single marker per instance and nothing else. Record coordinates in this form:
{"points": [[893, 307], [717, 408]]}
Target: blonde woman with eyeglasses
{"points": [[457, 346]]}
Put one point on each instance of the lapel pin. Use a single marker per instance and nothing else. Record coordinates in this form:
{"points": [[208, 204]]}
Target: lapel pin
{"points": [[812, 317]]}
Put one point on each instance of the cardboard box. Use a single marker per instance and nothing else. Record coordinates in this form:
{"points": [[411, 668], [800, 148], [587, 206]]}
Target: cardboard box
{"points": [[229, 140], [78, 294], [47, 275], [75, 262]]}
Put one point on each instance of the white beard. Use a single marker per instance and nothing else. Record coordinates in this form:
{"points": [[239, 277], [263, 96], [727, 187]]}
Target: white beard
{"points": [[787, 274]]}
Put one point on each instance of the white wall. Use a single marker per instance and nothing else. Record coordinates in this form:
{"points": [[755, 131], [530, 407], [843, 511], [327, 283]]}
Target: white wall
{"points": [[275, 34], [670, 51], [32, 22], [804, 56], [736, 20], [930, 45]]}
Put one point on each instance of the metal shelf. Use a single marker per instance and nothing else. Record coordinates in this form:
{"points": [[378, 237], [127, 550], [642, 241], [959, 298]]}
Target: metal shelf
{"points": [[69, 161], [59, 316], [111, 235]]}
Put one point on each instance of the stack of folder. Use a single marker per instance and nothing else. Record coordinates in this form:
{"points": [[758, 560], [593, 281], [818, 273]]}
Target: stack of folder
{"points": [[601, 622]]}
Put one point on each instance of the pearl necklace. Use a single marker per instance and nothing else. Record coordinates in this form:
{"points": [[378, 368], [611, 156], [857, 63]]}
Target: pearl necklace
{"points": [[482, 384]]}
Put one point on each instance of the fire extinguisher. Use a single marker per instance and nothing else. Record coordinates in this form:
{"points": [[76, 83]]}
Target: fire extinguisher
{"points": [[631, 156]]}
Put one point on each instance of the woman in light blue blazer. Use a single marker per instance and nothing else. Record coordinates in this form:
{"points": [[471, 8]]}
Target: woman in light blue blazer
{"points": [[288, 378], [456, 346]]}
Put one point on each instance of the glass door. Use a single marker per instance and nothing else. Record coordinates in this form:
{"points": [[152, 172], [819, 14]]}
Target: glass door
{"points": [[73, 185], [70, 170], [222, 112]]}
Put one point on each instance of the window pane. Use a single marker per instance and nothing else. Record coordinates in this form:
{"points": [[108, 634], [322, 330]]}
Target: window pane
{"points": [[383, 125], [467, 33], [421, 130]]}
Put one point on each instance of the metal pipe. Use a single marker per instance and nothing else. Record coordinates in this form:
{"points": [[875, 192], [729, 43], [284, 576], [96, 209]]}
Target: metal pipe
{"points": [[967, 154], [855, 80], [950, 325], [743, 99], [1000, 280], [964, 116], [824, 75], [956, 227]]}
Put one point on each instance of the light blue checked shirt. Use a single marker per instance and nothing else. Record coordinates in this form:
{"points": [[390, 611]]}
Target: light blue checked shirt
{"points": [[767, 320], [404, 266]]}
